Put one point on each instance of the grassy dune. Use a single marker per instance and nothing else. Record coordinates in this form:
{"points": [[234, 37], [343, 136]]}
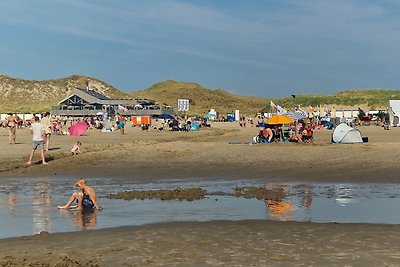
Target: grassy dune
{"points": [[21, 95], [201, 99]]}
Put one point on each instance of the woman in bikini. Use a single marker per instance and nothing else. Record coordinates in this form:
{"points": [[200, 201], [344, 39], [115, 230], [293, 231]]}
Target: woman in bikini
{"points": [[12, 128], [86, 198]]}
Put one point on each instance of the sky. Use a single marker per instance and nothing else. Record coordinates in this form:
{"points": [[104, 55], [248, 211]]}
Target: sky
{"points": [[264, 48]]}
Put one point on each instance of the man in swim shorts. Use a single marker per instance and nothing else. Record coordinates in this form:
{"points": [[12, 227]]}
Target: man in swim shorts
{"points": [[37, 131], [121, 123]]}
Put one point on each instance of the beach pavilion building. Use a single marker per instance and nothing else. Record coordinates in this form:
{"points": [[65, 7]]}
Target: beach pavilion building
{"points": [[88, 103]]}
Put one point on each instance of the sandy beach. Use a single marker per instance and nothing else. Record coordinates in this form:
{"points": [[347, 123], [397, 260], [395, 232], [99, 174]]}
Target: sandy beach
{"points": [[220, 152], [211, 152]]}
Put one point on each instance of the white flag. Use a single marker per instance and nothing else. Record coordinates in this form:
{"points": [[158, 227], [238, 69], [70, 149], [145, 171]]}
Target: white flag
{"points": [[280, 110], [273, 107], [277, 109]]}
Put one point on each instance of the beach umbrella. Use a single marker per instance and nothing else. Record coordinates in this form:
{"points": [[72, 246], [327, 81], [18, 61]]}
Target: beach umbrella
{"points": [[165, 116], [78, 128], [280, 119]]}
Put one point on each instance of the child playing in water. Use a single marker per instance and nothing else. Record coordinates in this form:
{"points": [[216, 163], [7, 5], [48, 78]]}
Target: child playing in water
{"points": [[86, 198], [76, 148]]}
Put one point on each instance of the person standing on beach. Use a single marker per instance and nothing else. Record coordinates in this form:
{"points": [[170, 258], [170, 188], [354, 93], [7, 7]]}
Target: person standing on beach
{"points": [[47, 124], [19, 121], [121, 123], [11, 123], [86, 198], [37, 131]]}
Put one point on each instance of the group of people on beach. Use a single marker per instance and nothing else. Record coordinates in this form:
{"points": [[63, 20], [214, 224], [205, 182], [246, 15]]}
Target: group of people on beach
{"points": [[298, 133], [13, 121], [301, 132], [41, 130]]}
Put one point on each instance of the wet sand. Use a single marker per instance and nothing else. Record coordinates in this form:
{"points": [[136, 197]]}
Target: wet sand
{"points": [[221, 152], [218, 243]]}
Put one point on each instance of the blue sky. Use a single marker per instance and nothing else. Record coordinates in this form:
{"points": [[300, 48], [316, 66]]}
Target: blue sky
{"points": [[265, 48]]}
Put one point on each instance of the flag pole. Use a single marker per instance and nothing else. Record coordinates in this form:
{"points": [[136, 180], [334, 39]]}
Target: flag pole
{"points": [[270, 108]]}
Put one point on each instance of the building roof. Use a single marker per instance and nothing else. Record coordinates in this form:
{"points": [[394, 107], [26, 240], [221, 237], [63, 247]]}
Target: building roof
{"points": [[93, 97], [94, 94], [84, 96]]}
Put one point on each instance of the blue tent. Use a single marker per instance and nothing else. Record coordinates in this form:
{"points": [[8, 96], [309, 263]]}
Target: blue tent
{"points": [[165, 116]]}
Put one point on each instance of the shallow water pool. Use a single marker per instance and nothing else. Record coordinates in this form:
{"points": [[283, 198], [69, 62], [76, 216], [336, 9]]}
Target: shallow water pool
{"points": [[29, 206]]}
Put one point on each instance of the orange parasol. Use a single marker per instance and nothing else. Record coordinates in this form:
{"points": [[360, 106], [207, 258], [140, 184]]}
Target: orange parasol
{"points": [[280, 119]]}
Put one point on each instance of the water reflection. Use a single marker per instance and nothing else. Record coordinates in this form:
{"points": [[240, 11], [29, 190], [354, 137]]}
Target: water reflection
{"points": [[307, 198], [28, 206], [299, 200], [344, 194], [41, 203], [11, 201], [82, 219], [279, 209]]}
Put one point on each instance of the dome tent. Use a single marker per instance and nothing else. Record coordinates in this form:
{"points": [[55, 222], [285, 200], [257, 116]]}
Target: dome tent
{"points": [[344, 134]]}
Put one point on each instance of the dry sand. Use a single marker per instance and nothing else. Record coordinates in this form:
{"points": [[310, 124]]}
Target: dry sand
{"points": [[209, 153]]}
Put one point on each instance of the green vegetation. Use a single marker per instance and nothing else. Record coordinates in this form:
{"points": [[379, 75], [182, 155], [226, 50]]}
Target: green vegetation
{"points": [[27, 96], [201, 99], [20, 95], [374, 98]]}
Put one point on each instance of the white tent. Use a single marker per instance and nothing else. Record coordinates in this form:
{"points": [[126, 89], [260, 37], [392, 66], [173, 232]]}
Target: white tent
{"points": [[344, 134], [394, 112]]}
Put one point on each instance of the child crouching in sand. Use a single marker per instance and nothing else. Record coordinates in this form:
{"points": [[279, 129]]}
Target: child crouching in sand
{"points": [[86, 198], [76, 148]]}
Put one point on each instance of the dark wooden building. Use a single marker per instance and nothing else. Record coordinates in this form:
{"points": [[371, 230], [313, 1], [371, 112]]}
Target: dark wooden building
{"points": [[84, 102]]}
